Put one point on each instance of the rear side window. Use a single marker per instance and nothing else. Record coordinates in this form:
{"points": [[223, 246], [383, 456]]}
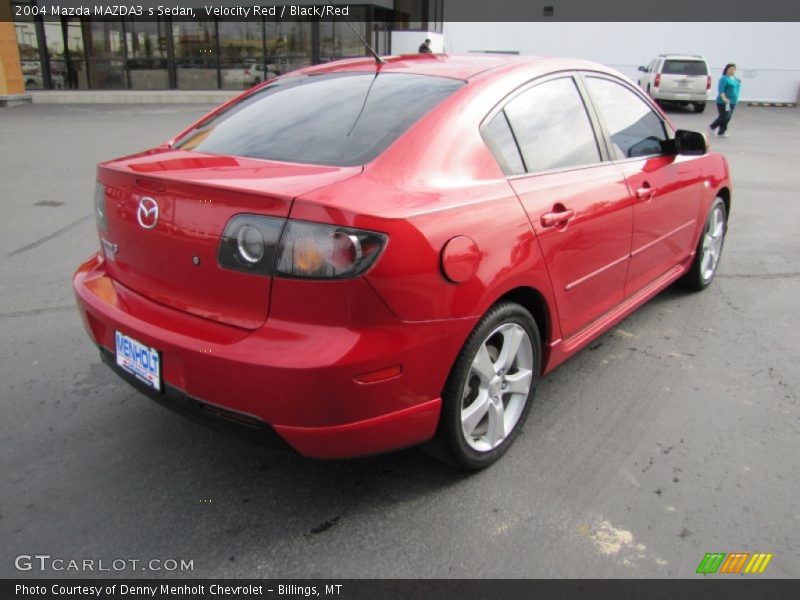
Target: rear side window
{"points": [[340, 119], [635, 130], [501, 142], [552, 127], [685, 67]]}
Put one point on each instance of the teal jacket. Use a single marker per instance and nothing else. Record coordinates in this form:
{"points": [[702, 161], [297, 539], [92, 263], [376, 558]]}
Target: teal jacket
{"points": [[730, 87]]}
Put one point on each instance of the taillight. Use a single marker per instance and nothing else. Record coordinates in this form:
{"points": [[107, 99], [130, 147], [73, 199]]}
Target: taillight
{"points": [[657, 82], [100, 205], [250, 244], [313, 250], [708, 82], [274, 246]]}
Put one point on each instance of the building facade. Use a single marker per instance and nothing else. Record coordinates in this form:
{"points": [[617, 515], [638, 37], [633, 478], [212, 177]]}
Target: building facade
{"points": [[169, 53]]}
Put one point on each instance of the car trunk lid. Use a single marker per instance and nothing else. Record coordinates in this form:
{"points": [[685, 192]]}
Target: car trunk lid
{"points": [[170, 255]]}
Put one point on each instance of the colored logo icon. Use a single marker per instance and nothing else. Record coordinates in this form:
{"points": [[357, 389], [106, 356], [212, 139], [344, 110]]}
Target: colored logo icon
{"points": [[735, 562]]}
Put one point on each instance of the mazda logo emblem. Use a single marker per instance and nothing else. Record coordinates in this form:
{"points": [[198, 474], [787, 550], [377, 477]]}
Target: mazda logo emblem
{"points": [[147, 213]]}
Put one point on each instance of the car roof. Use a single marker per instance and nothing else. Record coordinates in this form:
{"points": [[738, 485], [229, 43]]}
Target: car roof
{"points": [[681, 56], [458, 66]]}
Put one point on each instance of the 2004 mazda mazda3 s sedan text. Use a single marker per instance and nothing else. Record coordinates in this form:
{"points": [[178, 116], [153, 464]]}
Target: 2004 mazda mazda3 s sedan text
{"points": [[360, 257]]}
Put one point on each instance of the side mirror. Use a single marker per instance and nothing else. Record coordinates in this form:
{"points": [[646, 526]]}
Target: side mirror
{"points": [[643, 69], [691, 143]]}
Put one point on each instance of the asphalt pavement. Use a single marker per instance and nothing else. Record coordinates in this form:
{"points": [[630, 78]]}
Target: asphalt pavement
{"points": [[673, 435]]}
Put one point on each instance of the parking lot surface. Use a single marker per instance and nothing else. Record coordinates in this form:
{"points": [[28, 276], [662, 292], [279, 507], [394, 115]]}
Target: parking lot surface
{"points": [[673, 435]]}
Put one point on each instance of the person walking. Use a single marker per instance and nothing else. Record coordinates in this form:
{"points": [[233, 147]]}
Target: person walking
{"points": [[727, 98], [425, 47]]}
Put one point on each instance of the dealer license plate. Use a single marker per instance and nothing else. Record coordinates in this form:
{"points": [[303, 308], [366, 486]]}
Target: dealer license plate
{"points": [[143, 362]]}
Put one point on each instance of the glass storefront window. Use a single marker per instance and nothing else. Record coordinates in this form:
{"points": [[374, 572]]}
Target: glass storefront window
{"points": [[73, 34], [327, 41], [67, 61], [74, 65], [30, 61], [195, 55], [241, 54], [349, 43], [104, 42], [337, 40], [54, 38], [54, 43], [165, 53], [147, 54], [288, 45]]}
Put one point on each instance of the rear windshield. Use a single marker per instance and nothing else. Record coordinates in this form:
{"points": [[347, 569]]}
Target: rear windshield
{"points": [[685, 67], [341, 119]]}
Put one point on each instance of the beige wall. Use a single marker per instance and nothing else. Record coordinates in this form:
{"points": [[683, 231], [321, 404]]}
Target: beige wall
{"points": [[10, 71]]}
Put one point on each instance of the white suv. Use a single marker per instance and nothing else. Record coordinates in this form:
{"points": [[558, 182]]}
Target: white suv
{"points": [[680, 78]]}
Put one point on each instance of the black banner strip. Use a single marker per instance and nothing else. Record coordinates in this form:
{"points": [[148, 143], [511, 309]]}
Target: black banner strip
{"points": [[709, 588], [420, 12]]}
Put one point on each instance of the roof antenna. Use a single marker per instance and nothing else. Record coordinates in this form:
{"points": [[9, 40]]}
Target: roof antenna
{"points": [[370, 49]]}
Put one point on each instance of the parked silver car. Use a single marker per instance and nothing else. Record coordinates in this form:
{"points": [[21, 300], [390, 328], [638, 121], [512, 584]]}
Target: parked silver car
{"points": [[680, 78]]}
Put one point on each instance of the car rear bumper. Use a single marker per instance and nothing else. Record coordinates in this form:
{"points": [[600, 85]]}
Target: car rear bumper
{"points": [[296, 379], [679, 96]]}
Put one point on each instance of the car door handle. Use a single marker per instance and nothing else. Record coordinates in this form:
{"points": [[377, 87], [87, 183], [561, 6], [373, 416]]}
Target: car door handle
{"points": [[553, 218], [645, 192]]}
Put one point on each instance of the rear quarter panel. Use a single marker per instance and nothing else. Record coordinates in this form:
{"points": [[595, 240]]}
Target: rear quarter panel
{"points": [[436, 182], [408, 276], [715, 171]]}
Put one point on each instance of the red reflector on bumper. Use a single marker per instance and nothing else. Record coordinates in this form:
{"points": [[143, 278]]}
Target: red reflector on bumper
{"points": [[380, 375]]}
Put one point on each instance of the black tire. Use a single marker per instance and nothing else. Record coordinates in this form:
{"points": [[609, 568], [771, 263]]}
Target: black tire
{"points": [[695, 278], [699, 107], [449, 443]]}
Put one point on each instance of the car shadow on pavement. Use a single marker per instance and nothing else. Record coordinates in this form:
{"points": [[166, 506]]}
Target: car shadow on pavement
{"points": [[226, 479], [244, 490]]}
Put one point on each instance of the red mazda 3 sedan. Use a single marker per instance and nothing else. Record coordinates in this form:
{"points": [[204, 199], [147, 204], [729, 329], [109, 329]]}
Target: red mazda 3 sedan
{"points": [[359, 257]]}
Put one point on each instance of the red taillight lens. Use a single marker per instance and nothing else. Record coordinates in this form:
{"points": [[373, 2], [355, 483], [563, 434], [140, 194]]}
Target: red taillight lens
{"points": [[313, 250], [275, 246], [657, 82], [708, 82]]}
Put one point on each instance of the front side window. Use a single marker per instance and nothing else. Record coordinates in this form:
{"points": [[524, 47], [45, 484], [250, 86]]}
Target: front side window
{"points": [[338, 119], [552, 127], [635, 130]]}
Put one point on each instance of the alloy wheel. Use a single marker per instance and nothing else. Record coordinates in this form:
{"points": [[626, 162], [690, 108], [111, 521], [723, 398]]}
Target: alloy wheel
{"points": [[497, 387], [713, 237]]}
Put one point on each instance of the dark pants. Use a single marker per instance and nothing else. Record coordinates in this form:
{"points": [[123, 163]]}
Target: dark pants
{"points": [[723, 119]]}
